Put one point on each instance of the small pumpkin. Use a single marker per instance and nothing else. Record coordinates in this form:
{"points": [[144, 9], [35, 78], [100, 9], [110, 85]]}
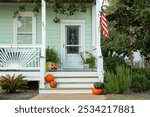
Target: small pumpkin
{"points": [[97, 91], [56, 67], [53, 84], [53, 67], [49, 78], [98, 85]]}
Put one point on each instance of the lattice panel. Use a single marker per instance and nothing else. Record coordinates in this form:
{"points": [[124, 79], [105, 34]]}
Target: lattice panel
{"points": [[19, 58]]}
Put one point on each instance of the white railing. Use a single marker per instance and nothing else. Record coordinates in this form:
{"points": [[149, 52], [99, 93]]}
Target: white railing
{"points": [[20, 57]]}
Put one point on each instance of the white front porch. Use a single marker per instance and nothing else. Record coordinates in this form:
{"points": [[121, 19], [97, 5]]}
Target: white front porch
{"points": [[29, 60], [26, 60]]}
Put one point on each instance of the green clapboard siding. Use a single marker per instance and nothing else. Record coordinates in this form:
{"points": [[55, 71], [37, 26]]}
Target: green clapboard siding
{"points": [[6, 24], [53, 37]]}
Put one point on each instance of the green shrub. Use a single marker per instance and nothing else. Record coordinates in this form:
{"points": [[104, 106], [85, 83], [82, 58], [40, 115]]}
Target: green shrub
{"points": [[140, 83], [140, 71], [118, 82], [52, 55], [110, 63], [0, 88], [11, 83], [143, 71]]}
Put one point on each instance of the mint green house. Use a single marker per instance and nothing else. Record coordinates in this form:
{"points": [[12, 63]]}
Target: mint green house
{"points": [[23, 43]]}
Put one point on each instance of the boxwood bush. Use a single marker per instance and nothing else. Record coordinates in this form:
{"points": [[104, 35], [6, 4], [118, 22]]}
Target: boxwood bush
{"points": [[110, 63], [140, 83], [141, 76]]}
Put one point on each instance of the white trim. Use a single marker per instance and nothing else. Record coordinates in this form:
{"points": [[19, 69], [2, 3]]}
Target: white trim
{"points": [[43, 53], [30, 75], [72, 21], [64, 91], [15, 31], [81, 23], [75, 80], [73, 74], [25, 14], [100, 69], [93, 27], [71, 85], [34, 28]]}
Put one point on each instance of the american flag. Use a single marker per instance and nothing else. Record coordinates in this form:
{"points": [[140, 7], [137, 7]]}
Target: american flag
{"points": [[104, 24]]}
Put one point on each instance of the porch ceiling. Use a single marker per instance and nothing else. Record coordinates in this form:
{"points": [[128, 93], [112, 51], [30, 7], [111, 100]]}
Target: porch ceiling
{"points": [[30, 1]]}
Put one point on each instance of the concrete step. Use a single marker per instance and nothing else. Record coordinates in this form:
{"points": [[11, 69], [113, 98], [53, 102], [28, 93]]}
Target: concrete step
{"points": [[72, 85], [76, 80], [73, 74], [65, 91], [71, 82]]}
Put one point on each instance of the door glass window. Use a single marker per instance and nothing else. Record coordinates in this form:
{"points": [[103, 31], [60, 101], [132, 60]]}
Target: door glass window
{"points": [[72, 50], [72, 39], [72, 35]]}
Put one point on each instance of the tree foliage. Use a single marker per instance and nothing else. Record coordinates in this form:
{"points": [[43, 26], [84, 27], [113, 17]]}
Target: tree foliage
{"points": [[129, 27], [65, 7]]}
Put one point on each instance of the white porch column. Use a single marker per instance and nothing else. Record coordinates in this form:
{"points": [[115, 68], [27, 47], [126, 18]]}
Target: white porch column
{"points": [[94, 29], [43, 53], [98, 41]]}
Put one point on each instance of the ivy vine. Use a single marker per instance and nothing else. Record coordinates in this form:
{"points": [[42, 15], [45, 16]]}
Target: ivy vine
{"points": [[65, 7]]}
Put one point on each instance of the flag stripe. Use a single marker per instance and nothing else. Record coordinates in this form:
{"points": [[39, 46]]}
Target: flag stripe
{"points": [[104, 24]]}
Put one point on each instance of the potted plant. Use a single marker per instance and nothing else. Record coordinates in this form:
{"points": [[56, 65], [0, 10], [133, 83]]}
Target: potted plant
{"points": [[88, 60], [51, 59]]}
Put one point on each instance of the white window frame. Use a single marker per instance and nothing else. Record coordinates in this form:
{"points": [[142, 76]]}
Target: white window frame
{"points": [[25, 14]]}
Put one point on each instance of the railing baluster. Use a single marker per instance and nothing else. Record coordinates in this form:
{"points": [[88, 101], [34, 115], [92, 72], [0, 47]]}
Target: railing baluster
{"points": [[19, 58]]}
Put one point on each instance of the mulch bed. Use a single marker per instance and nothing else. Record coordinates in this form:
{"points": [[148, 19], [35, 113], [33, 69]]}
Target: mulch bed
{"points": [[26, 95]]}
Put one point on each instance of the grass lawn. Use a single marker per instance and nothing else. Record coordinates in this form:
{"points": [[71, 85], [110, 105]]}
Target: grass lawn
{"points": [[129, 96]]}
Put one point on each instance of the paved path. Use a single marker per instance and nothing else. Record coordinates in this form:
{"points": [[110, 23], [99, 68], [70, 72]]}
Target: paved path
{"points": [[69, 97]]}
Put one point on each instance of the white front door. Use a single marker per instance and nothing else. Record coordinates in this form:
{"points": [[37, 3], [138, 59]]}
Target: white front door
{"points": [[73, 43]]}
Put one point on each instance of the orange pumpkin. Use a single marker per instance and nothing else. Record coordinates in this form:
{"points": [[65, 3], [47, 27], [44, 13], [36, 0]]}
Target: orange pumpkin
{"points": [[56, 67], [97, 91], [53, 84], [53, 67], [49, 78]]}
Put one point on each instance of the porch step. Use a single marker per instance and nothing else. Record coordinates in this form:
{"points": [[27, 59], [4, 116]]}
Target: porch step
{"points": [[71, 82], [72, 85], [76, 80], [73, 74], [64, 90]]}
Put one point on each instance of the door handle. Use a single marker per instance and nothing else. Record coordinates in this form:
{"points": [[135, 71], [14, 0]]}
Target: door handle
{"points": [[63, 45]]}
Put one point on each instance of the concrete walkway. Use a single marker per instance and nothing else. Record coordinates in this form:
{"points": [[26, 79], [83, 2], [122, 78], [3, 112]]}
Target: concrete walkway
{"points": [[69, 97]]}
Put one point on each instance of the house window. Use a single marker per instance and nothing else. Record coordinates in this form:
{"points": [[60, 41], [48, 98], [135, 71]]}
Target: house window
{"points": [[25, 29]]}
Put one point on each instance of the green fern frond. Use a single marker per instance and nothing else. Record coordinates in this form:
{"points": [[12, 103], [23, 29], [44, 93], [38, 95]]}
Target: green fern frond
{"points": [[12, 83]]}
